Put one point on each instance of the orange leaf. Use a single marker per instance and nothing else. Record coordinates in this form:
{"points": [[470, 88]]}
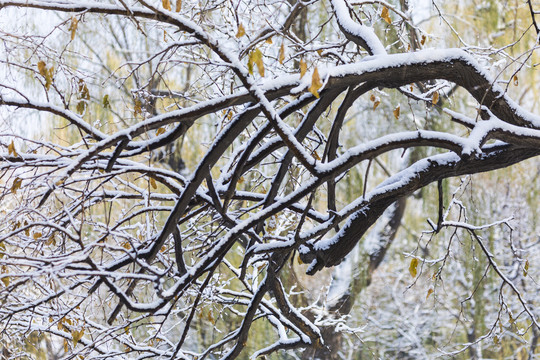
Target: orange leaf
{"points": [[385, 16], [396, 112], [281, 56], [303, 68], [435, 98], [166, 4], [316, 83]]}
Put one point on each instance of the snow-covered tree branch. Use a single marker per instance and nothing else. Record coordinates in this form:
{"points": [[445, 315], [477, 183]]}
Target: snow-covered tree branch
{"points": [[166, 165]]}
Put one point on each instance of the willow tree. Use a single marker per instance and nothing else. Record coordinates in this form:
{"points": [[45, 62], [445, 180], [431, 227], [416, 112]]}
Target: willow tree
{"points": [[191, 150]]}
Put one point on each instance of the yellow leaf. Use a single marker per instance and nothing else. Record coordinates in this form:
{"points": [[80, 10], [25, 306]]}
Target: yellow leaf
{"points": [[77, 335], [281, 56], [372, 97], [303, 68], [126, 245], [66, 346], [166, 4], [269, 40], [106, 103], [36, 235], [256, 58], [81, 106], [396, 112], [241, 31], [163, 249], [435, 98], [47, 74], [73, 27], [241, 180], [5, 280], [16, 185], [164, 36], [429, 292], [526, 268], [160, 131], [516, 82], [153, 183], [178, 5], [496, 340], [319, 52], [385, 16], [42, 67], [316, 156], [423, 41], [11, 149], [84, 93], [316, 83], [413, 266], [49, 77], [299, 260], [211, 318], [51, 241], [138, 107]]}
